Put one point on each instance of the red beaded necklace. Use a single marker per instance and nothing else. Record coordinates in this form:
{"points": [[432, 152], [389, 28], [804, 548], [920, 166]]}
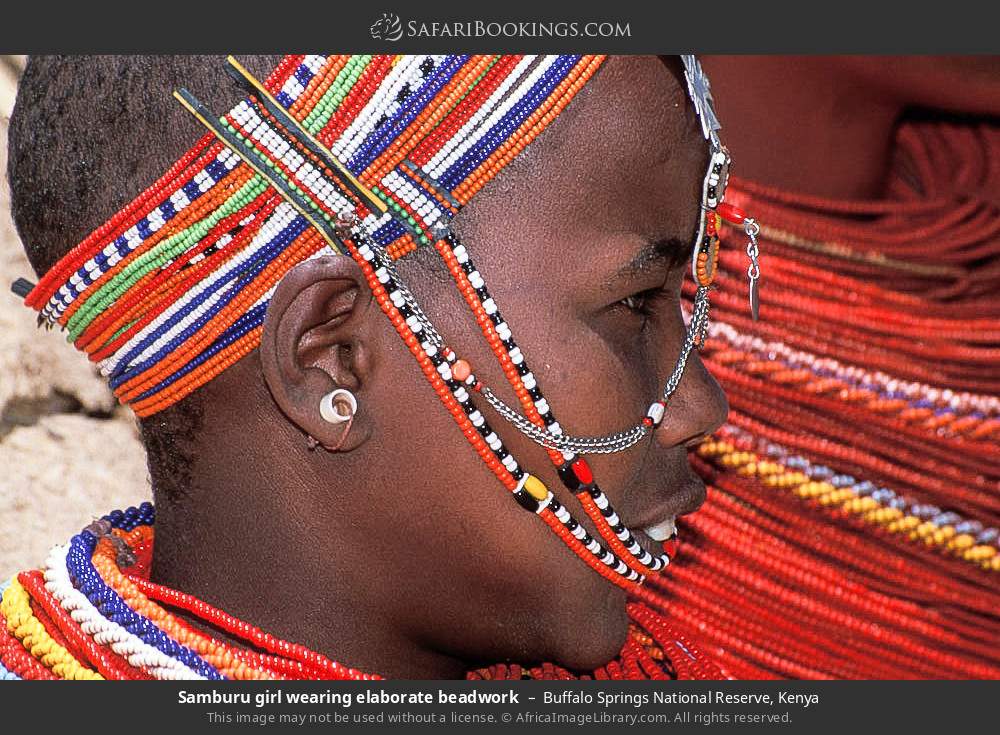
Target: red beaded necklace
{"points": [[781, 585]]}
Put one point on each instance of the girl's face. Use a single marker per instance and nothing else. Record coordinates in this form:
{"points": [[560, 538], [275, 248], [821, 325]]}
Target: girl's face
{"points": [[583, 242]]}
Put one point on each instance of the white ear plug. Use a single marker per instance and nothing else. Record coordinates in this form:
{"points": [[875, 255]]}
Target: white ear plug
{"points": [[338, 406]]}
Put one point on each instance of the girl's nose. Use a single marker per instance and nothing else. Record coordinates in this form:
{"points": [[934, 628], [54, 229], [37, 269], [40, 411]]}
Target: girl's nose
{"points": [[697, 408]]}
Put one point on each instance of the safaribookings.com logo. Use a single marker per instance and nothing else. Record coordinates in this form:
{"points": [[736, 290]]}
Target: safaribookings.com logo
{"points": [[389, 27]]}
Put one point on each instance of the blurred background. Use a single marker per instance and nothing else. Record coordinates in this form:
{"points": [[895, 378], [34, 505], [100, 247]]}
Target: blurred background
{"points": [[56, 415]]}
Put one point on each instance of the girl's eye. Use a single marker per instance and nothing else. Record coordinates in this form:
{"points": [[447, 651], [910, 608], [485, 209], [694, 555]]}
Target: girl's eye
{"points": [[633, 302], [643, 302]]}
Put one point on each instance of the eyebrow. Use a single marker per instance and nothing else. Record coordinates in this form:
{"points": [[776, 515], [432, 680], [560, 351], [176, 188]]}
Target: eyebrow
{"points": [[670, 249]]}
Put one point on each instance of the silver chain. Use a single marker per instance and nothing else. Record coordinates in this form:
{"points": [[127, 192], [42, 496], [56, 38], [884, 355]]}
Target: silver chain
{"points": [[357, 226], [622, 440], [607, 444], [752, 229], [697, 329], [576, 444]]}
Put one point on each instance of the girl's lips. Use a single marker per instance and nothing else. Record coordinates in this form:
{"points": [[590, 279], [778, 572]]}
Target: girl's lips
{"points": [[682, 498]]}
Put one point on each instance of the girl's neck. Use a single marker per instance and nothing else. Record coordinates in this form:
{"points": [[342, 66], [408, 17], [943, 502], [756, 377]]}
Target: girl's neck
{"points": [[251, 570]]}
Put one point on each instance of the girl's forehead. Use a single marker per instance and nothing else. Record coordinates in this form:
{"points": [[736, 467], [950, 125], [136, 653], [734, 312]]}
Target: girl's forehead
{"points": [[633, 116]]}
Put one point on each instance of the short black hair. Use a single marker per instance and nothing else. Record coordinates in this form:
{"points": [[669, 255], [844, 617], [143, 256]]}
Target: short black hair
{"points": [[87, 135]]}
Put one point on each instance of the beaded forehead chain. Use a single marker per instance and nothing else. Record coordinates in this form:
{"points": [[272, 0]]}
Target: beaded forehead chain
{"points": [[370, 156]]}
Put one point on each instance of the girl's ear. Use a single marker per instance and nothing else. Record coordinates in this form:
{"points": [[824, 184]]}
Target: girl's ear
{"points": [[318, 336]]}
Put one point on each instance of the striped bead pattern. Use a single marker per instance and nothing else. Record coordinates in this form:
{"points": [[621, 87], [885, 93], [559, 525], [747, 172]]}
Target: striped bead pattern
{"points": [[174, 288]]}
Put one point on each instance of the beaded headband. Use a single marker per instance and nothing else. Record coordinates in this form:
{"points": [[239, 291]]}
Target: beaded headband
{"points": [[370, 156]]}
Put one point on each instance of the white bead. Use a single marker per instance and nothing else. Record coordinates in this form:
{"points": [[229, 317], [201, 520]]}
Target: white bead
{"points": [[542, 505], [655, 412]]}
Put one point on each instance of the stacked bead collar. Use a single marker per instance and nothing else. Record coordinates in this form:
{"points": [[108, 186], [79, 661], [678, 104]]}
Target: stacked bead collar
{"points": [[93, 613]]}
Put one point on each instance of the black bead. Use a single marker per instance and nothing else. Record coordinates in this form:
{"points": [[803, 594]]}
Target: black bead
{"points": [[526, 501], [522, 369], [569, 477], [536, 395]]}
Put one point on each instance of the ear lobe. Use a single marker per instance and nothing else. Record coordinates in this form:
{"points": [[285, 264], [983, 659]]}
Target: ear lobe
{"points": [[318, 337]]}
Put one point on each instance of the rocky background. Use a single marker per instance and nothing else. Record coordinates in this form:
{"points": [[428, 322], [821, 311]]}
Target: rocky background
{"points": [[68, 452]]}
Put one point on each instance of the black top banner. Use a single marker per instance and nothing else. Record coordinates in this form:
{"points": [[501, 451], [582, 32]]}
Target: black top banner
{"points": [[393, 26]]}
